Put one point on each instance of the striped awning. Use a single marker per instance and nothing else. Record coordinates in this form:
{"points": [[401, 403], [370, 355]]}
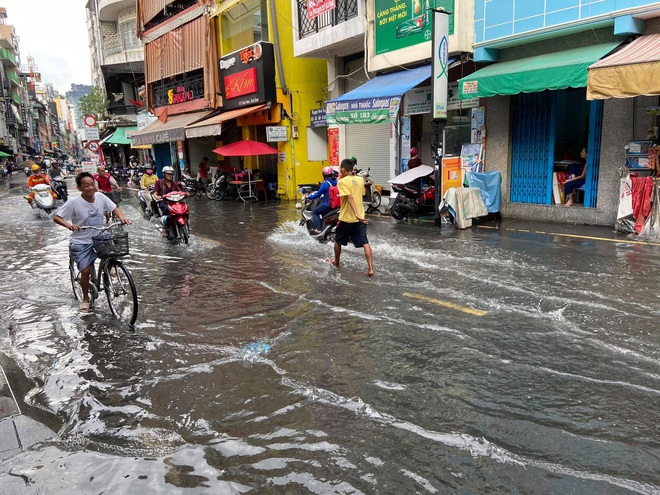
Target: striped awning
{"points": [[631, 71]]}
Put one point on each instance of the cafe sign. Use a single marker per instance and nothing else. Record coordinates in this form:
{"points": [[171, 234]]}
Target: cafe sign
{"points": [[247, 76]]}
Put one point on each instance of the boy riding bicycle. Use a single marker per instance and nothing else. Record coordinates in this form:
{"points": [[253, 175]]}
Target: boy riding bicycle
{"points": [[80, 211]]}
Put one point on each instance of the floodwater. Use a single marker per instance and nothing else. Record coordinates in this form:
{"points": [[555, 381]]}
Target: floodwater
{"points": [[478, 361]]}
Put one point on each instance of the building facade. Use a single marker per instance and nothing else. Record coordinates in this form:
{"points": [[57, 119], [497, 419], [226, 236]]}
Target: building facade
{"points": [[538, 112]]}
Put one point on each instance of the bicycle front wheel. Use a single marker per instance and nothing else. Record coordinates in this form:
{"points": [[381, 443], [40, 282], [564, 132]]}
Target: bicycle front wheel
{"points": [[120, 289]]}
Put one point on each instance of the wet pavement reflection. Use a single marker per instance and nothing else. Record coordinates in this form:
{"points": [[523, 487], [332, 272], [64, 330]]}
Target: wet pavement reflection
{"points": [[478, 361]]}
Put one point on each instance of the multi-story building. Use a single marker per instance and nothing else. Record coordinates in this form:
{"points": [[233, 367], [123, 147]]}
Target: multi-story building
{"points": [[546, 97], [117, 61], [73, 96], [238, 64], [378, 57]]}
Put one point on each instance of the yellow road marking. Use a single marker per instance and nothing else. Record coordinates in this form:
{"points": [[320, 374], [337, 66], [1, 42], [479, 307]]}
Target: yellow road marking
{"points": [[624, 241], [447, 304]]}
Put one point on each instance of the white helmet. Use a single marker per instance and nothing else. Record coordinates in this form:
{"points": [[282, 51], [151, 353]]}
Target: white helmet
{"points": [[168, 170]]}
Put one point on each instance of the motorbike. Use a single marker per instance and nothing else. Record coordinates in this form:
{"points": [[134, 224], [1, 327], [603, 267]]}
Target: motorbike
{"points": [[371, 198], [330, 219], [221, 186], [176, 222], [59, 186], [146, 202], [27, 171], [192, 185], [43, 201], [411, 200]]}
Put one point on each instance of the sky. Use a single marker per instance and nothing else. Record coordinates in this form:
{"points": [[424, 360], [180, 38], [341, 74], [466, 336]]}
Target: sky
{"points": [[54, 33]]}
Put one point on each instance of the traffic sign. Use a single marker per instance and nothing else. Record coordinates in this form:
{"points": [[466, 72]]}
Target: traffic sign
{"points": [[92, 134], [90, 120], [93, 146]]}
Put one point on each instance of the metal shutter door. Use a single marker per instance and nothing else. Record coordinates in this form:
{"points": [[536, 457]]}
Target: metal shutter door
{"points": [[198, 148], [370, 144]]}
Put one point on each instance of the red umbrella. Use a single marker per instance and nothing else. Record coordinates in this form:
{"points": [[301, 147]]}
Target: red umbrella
{"points": [[247, 147]]}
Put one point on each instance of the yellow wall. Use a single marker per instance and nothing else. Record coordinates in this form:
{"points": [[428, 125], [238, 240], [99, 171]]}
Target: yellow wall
{"points": [[305, 80]]}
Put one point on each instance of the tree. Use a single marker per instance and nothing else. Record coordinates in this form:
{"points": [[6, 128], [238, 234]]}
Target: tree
{"points": [[95, 103]]}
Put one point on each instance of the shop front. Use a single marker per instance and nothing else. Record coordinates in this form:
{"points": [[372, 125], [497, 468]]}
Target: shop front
{"points": [[538, 120]]}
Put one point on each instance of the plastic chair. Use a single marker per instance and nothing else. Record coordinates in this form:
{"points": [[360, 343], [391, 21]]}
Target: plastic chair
{"points": [[260, 188]]}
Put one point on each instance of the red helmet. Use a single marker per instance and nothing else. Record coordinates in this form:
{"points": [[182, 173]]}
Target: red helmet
{"points": [[414, 152]]}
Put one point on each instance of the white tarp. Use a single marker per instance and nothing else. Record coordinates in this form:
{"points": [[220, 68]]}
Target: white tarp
{"points": [[412, 174]]}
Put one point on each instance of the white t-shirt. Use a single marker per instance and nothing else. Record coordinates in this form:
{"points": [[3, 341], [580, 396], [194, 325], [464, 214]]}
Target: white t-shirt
{"points": [[79, 212]]}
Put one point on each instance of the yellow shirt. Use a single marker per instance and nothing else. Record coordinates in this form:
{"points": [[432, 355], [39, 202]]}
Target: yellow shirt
{"points": [[148, 180], [352, 185]]}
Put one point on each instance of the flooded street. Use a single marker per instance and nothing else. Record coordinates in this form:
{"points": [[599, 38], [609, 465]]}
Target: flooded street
{"points": [[477, 361]]}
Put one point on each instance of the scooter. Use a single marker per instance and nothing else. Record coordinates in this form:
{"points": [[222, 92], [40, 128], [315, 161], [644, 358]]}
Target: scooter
{"points": [[43, 201], [371, 198], [146, 202], [410, 200], [59, 187], [330, 219], [176, 222], [192, 185]]}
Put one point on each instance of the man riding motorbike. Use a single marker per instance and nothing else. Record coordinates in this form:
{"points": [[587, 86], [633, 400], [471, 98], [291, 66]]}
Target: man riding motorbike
{"points": [[105, 182], [329, 179], [37, 177], [163, 186]]}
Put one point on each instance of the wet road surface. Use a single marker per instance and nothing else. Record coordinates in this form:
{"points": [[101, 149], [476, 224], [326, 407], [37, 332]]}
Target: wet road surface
{"points": [[478, 361]]}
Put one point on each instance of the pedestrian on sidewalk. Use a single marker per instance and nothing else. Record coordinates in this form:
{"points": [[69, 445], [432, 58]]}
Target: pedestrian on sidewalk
{"points": [[352, 224]]}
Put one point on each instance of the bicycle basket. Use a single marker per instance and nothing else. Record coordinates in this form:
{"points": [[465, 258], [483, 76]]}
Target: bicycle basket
{"points": [[111, 246]]}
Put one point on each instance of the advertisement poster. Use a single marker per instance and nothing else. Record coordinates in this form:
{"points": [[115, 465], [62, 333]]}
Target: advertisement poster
{"points": [[477, 127], [440, 61], [452, 175], [403, 23], [471, 159], [405, 143], [333, 146], [317, 7]]}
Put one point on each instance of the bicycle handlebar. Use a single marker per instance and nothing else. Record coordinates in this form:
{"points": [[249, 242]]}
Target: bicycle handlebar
{"points": [[105, 227]]}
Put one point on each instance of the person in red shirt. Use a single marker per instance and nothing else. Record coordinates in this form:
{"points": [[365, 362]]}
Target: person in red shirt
{"points": [[105, 182], [37, 177]]}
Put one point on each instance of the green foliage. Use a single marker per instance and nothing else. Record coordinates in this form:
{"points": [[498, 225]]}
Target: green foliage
{"points": [[95, 103]]}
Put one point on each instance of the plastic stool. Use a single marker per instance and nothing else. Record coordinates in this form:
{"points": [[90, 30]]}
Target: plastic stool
{"points": [[259, 188]]}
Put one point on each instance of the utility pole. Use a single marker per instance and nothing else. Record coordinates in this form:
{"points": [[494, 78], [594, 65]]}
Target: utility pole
{"points": [[440, 58]]}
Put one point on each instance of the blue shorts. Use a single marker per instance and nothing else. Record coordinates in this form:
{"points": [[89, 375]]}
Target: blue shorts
{"points": [[83, 254], [353, 232]]}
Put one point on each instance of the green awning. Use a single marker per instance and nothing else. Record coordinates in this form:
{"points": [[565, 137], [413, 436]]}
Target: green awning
{"points": [[558, 70], [119, 137]]}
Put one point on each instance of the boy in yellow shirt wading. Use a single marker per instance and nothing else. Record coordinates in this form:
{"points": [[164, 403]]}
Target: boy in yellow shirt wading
{"points": [[352, 224]]}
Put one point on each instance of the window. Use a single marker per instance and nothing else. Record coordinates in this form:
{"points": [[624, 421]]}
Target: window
{"points": [[244, 24], [128, 34]]}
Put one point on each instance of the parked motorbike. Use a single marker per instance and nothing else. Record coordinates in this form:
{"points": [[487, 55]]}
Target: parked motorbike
{"points": [[330, 219], [192, 185], [59, 186], [147, 204], [410, 200], [176, 222], [219, 187], [43, 201], [371, 198]]}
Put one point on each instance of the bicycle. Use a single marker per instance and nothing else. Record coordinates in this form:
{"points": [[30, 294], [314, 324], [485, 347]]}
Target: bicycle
{"points": [[112, 276]]}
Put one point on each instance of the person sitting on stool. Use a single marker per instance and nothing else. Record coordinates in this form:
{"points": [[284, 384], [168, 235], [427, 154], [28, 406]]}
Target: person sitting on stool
{"points": [[576, 174]]}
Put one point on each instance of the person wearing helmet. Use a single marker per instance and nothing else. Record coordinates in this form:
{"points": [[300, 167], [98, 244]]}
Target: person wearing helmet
{"points": [[415, 160], [329, 179], [37, 177], [166, 185]]}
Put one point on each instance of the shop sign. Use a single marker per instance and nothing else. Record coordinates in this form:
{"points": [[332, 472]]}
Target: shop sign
{"points": [[247, 76], [403, 23], [240, 84], [317, 7], [333, 146], [318, 118], [470, 87], [418, 100], [89, 167], [179, 95], [364, 111], [276, 133]]}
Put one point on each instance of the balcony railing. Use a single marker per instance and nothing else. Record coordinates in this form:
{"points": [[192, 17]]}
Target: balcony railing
{"points": [[111, 47], [122, 110], [7, 55], [343, 11], [192, 83]]}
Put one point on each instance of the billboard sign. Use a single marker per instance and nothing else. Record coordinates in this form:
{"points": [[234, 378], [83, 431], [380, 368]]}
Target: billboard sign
{"points": [[247, 76]]}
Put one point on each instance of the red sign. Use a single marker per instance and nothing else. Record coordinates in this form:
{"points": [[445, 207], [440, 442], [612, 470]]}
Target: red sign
{"points": [[316, 7], [179, 95], [333, 146], [241, 83]]}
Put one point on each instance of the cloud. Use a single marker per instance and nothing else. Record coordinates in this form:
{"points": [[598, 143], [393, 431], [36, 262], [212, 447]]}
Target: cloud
{"points": [[54, 34]]}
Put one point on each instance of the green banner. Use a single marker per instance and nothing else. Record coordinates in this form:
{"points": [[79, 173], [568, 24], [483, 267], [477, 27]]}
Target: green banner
{"points": [[403, 23], [363, 111]]}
